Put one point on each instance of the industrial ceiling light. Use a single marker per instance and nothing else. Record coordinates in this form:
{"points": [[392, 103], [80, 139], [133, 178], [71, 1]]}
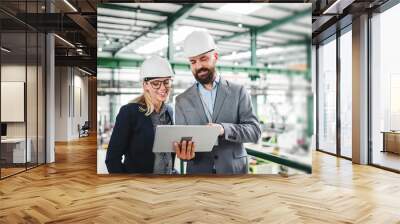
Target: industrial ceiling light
{"points": [[237, 56], [107, 42], [162, 42], [240, 25], [240, 8], [259, 52], [5, 50], [70, 5], [100, 49], [64, 40], [153, 46]]}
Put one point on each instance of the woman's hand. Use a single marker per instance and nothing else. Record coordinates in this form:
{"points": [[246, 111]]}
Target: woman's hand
{"points": [[185, 150]]}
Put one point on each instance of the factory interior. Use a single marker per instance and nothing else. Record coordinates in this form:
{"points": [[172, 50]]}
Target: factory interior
{"points": [[322, 76]]}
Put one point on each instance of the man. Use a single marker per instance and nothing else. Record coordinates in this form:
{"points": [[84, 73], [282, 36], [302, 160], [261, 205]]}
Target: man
{"points": [[217, 102]]}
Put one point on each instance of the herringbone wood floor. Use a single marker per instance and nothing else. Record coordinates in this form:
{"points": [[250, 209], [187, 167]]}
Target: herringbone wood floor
{"points": [[70, 191]]}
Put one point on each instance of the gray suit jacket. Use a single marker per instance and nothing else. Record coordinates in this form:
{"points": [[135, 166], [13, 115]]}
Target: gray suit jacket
{"points": [[234, 111]]}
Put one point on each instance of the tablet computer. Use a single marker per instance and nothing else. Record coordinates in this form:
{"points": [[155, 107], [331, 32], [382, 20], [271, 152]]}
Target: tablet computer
{"points": [[203, 136]]}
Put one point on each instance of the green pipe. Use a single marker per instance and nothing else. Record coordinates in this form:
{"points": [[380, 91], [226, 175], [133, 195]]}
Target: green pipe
{"points": [[280, 160]]}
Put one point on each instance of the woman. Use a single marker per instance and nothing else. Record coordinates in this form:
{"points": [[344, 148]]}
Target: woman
{"points": [[134, 129]]}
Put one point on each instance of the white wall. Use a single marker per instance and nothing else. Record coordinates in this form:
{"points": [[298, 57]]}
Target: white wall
{"points": [[81, 94], [13, 73], [71, 87], [61, 103], [33, 127]]}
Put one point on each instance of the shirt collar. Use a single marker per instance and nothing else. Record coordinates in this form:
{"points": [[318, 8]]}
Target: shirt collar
{"points": [[215, 82]]}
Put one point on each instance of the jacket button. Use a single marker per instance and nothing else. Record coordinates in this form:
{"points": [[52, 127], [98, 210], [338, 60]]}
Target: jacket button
{"points": [[215, 157]]}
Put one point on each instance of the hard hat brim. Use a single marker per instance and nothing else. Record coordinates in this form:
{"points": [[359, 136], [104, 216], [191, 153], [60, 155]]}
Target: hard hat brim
{"points": [[151, 78], [201, 53]]}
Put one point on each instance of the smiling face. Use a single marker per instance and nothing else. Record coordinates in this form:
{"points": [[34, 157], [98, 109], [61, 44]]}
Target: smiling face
{"points": [[203, 67], [158, 89]]}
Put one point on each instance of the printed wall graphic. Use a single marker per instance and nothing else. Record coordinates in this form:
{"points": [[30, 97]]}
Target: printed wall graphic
{"points": [[204, 88]]}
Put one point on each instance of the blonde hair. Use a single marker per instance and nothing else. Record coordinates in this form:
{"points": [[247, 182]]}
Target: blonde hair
{"points": [[145, 101]]}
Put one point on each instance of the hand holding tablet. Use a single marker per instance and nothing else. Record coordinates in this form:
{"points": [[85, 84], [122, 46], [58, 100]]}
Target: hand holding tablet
{"points": [[185, 150], [203, 136]]}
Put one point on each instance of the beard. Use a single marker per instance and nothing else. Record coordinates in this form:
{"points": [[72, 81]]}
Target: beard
{"points": [[205, 78]]}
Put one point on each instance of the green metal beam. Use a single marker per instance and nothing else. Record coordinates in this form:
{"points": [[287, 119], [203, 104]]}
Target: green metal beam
{"points": [[283, 21], [178, 15], [308, 47], [253, 52], [253, 62], [253, 46], [170, 48], [274, 24], [132, 9], [103, 62], [182, 13], [113, 99], [119, 36], [118, 18], [112, 29], [310, 117]]}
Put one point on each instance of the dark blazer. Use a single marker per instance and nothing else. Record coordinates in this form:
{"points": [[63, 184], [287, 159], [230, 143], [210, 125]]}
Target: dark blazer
{"points": [[133, 136]]}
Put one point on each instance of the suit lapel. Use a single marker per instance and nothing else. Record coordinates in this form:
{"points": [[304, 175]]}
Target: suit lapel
{"points": [[196, 103], [222, 92]]}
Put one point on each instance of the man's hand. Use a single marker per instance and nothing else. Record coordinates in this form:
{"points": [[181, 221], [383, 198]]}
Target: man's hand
{"points": [[185, 150], [220, 127]]}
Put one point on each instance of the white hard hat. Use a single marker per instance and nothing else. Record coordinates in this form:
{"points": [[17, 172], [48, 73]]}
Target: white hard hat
{"points": [[155, 67], [198, 42]]}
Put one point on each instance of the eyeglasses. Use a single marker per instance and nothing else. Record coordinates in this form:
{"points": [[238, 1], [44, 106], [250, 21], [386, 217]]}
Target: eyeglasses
{"points": [[156, 84]]}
